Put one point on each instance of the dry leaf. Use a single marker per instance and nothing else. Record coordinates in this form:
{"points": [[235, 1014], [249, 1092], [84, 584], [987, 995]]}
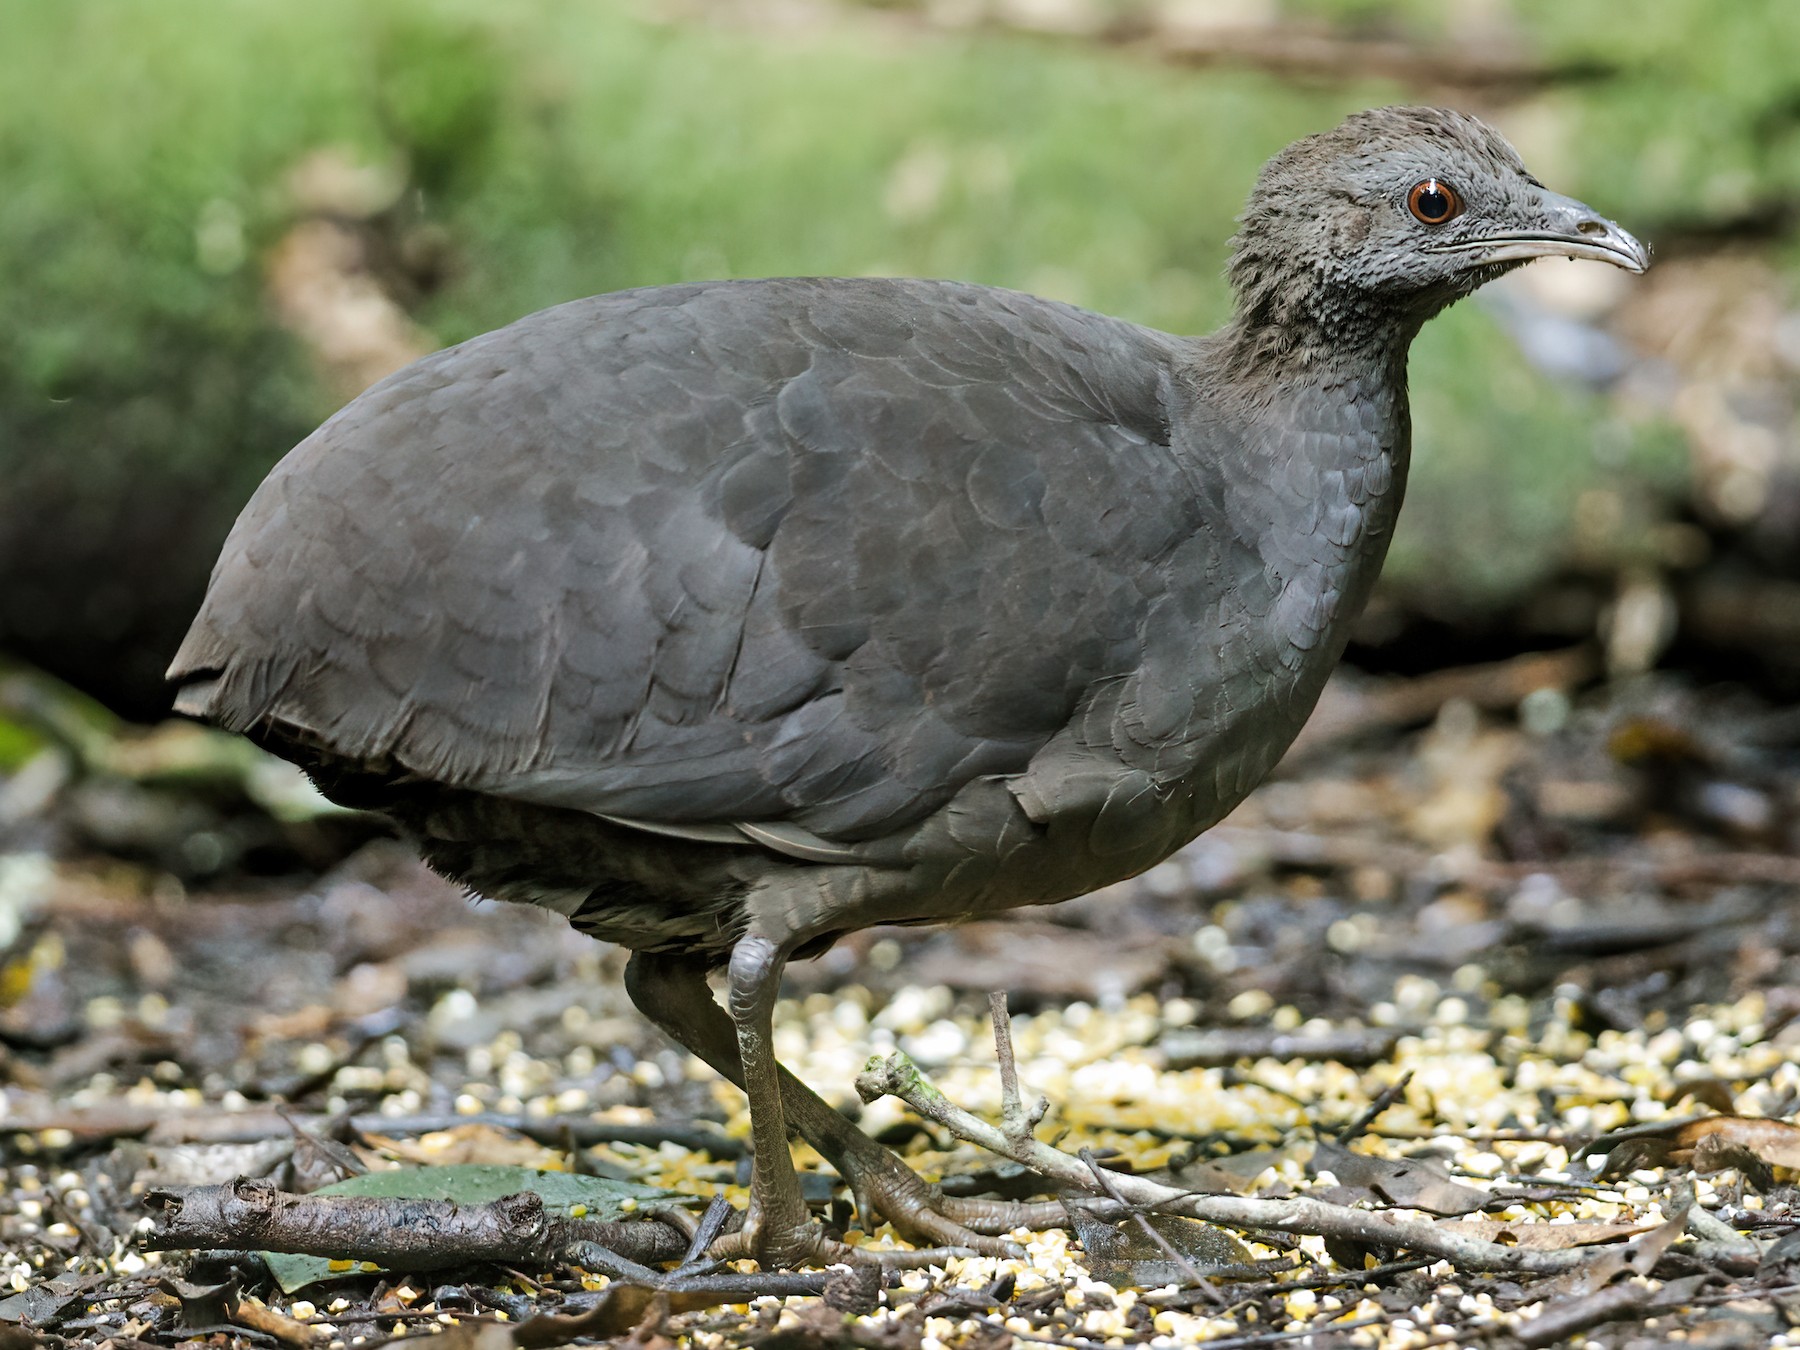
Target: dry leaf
{"points": [[1551, 1236], [1123, 1255], [1774, 1142], [1713, 1092], [1635, 1258], [1752, 1144], [1411, 1183], [475, 1142]]}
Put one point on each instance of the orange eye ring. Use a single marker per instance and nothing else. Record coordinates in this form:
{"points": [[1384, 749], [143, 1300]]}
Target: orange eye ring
{"points": [[1433, 202]]}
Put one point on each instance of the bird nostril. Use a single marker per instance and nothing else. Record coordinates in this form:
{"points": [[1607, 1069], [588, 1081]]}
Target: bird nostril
{"points": [[1590, 227]]}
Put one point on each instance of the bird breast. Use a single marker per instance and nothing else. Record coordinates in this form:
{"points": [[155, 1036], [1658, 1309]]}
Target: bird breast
{"points": [[1253, 617]]}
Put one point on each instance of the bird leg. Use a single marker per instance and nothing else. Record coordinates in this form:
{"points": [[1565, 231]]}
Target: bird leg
{"points": [[672, 992], [777, 1229], [886, 1187]]}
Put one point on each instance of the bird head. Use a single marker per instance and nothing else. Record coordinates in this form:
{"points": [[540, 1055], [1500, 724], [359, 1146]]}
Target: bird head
{"points": [[1378, 224]]}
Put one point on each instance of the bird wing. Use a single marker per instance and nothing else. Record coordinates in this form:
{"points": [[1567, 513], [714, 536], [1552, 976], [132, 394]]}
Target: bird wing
{"points": [[787, 560]]}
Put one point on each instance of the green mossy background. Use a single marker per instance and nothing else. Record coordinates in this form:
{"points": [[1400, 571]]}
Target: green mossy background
{"points": [[558, 151]]}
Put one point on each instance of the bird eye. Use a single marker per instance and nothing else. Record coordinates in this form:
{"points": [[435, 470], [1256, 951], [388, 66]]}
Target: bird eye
{"points": [[1434, 202]]}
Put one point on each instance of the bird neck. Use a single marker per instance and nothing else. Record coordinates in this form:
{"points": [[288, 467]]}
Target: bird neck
{"points": [[1286, 327], [1306, 463]]}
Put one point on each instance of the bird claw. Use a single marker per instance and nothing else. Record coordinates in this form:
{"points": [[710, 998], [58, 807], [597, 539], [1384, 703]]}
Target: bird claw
{"points": [[782, 1247], [809, 1245], [778, 1236], [923, 1215], [939, 1227]]}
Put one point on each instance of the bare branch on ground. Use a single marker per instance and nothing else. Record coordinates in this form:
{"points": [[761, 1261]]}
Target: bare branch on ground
{"points": [[401, 1234]]}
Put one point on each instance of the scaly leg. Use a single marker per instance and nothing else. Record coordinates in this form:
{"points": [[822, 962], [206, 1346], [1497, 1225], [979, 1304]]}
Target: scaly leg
{"points": [[672, 992], [777, 1230]]}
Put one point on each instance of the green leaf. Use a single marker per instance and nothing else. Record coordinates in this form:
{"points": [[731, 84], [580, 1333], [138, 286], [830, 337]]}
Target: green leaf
{"points": [[472, 1184], [18, 744]]}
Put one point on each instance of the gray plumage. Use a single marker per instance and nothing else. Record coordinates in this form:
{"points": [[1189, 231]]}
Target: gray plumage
{"points": [[787, 607]]}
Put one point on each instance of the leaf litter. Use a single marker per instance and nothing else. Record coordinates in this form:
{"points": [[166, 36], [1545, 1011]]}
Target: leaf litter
{"points": [[1500, 991]]}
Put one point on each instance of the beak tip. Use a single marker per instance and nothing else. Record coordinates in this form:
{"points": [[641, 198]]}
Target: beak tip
{"points": [[1635, 255], [1605, 240]]}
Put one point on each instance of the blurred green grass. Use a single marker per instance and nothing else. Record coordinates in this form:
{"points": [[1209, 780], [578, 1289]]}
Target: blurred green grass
{"points": [[566, 150]]}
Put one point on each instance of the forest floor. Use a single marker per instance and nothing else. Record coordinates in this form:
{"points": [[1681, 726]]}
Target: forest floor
{"points": [[1484, 1012]]}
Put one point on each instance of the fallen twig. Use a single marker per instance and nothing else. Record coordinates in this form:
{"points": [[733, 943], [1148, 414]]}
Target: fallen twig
{"points": [[1718, 1243], [401, 1234], [1354, 708], [896, 1075], [728, 1286], [1012, 1108], [1577, 876], [1571, 1316], [258, 1316], [1383, 1099], [702, 1233], [1213, 1047], [1195, 1279]]}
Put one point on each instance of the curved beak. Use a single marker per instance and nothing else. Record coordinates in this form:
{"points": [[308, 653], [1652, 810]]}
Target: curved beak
{"points": [[1565, 228]]}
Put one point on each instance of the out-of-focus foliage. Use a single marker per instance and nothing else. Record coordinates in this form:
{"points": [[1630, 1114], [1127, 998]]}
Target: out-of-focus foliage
{"points": [[1502, 458], [1704, 124], [1698, 120], [553, 151]]}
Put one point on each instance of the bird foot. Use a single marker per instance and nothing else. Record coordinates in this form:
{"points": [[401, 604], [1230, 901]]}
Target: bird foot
{"points": [[886, 1188], [785, 1247], [925, 1216], [781, 1246]]}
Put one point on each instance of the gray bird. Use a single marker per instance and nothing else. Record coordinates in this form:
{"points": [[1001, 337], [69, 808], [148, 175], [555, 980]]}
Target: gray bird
{"points": [[728, 618]]}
